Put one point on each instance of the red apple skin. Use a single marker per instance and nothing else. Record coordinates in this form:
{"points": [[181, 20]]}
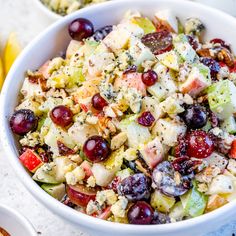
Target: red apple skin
{"points": [[105, 214], [80, 195], [30, 160], [86, 166]]}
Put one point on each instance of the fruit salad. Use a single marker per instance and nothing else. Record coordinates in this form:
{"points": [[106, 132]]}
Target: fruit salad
{"points": [[135, 122], [64, 7]]}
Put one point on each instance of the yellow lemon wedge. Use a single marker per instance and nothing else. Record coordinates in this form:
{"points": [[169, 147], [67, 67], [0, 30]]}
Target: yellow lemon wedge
{"points": [[2, 76], [11, 51]]}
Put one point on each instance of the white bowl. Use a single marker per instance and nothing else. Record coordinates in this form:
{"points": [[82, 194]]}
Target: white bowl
{"points": [[14, 223], [55, 39]]}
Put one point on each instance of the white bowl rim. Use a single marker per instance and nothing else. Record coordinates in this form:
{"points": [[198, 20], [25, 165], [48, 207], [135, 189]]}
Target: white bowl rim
{"points": [[66, 212], [47, 11], [22, 219]]}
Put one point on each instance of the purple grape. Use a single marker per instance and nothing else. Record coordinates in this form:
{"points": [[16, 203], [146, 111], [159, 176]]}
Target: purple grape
{"points": [[23, 121], [135, 187], [164, 178], [101, 33], [195, 116], [140, 213], [213, 65], [80, 29], [96, 149]]}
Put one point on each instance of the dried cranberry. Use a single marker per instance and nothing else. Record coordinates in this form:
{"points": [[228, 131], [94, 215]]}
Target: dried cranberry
{"points": [[149, 77], [213, 118], [141, 213], [221, 42], [220, 144], [135, 187], [114, 184], [158, 42], [34, 79], [99, 102], [64, 150], [101, 33], [44, 156], [24, 148], [212, 64], [193, 42], [199, 144], [185, 165], [181, 148], [146, 119]]}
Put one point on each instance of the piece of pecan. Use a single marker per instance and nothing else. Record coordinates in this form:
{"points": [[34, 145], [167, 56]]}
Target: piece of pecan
{"points": [[225, 56]]}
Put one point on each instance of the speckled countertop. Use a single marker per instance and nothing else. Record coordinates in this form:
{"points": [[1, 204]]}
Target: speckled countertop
{"points": [[23, 17]]}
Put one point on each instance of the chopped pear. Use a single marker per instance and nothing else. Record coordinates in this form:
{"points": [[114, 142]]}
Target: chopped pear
{"points": [[161, 202], [145, 24], [170, 60]]}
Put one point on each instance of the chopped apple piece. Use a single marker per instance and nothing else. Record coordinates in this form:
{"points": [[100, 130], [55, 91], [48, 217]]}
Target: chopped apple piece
{"points": [[152, 152], [215, 201], [31, 160], [197, 81]]}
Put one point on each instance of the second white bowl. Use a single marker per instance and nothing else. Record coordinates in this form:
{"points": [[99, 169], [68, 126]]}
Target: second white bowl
{"points": [[14, 223]]}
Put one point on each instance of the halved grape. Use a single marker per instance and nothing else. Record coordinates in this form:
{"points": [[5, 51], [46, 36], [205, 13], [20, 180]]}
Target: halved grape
{"points": [[158, 42]]}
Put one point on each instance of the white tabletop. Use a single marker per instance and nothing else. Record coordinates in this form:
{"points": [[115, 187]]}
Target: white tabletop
{"points": [[23, 17]]}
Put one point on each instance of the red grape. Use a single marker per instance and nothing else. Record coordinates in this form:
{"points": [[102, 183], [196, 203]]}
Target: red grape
{"points": [[80, 194], [195, 116], [149, 77], [96, 149], [80, 29], [98, 102], [23, 121], [61, 115], [140, 213], [199, 144], [158, 42]]}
